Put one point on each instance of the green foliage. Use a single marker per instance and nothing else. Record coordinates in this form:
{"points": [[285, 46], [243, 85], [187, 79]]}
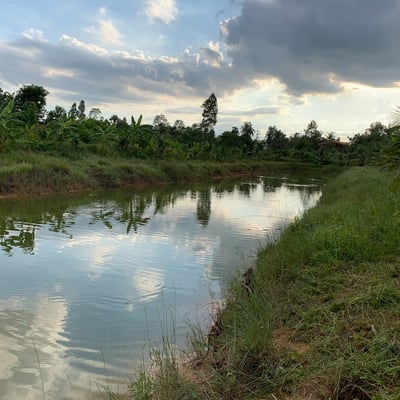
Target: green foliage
{"points": [[73, 133], [30, 102], [277, 141], [142, 387], [371, 146], [5, 98], [210, 113], [392, 152]]}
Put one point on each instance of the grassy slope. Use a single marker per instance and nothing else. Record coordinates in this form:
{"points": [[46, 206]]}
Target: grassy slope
{"points": [[24, 173], [323, 318]]}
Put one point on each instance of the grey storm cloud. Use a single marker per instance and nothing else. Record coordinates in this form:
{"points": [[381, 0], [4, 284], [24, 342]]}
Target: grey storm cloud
{"points": [[312, 45], [101, 75]]}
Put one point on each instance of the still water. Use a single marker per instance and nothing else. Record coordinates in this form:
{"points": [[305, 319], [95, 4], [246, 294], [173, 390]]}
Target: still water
{"points": [[89, 282]]}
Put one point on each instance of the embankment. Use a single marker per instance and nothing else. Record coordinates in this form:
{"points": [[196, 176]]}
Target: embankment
{"points": [[38, 173]]}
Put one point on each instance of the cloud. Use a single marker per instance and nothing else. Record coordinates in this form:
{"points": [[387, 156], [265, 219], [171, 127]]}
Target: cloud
{"points": [[308, 47], [148, 284], [109, 33], [104, 75], [30, 333], [34, 34], [161, 10], [256, 111], [312, 46], [105, 30], [212, 55]]}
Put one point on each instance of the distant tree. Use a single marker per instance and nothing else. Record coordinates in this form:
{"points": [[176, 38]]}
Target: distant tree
{"points": [[376, 130], [114, 119], [370, 147], [209, 114], [31, 101], [160, 122], [58, 114], [247, 129], [229, 145], [235, 130], [73, 112], [81, 109], [276, 139], [313, 134], [179, 125], [246, 136], [95, 113]]}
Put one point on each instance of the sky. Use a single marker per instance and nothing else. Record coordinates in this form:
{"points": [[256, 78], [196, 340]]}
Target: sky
{"points": [[270, 62]]}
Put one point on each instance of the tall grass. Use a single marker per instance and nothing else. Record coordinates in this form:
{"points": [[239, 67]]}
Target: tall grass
{"points": [[322, 318], [25, 173]]}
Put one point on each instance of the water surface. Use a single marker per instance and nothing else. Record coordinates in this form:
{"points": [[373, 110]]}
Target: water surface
{"points": [[88, 281]]}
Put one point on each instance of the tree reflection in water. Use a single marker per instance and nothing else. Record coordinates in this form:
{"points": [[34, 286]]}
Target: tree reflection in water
{"points": [[20, 218]]}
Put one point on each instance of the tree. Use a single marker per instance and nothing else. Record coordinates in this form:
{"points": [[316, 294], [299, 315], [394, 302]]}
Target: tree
{"points": [[58, 114], [160, 122], [73, 112], [81, 109], [313, 134], [247, 130], [276, 139], [229, 144], [246, 136], [370, 147], [179, 125], [95, 113], [31, 101], [210, 112]]}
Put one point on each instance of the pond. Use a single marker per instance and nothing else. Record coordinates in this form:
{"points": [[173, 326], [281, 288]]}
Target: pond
{"points": [[89, 282]]}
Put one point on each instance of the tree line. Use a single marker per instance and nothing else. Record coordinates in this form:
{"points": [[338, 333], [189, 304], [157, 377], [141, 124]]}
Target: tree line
{"points": [[26, 124]]}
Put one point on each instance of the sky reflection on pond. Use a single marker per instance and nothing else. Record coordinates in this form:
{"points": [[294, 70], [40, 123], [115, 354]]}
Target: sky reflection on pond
{"points": [[87, 280]]}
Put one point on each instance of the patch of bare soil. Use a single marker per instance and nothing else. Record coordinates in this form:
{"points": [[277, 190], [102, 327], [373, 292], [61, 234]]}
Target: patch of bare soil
{"points": [[282, 339]]}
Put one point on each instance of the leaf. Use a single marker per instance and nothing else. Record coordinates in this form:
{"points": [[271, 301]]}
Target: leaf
{"points": [[7, 110]]}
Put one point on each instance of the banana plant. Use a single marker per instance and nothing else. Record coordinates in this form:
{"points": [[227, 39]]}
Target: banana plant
{"points": [[134, 139], [8, 123]]}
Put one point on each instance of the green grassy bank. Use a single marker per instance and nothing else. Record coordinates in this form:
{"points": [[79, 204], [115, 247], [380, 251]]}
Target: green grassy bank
{"points": [[24, 173], [318, 319]]}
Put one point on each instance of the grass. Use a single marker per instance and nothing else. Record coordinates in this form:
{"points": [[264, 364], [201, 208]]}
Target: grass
{"points": [[322, 318], [25, 173]]}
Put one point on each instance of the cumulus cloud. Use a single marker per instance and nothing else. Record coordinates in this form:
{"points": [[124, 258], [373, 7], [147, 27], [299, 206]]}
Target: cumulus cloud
{"points": [[311, 46], [108, 76], [105, 30], [212, 55], [109, 33], [161, 10]]}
